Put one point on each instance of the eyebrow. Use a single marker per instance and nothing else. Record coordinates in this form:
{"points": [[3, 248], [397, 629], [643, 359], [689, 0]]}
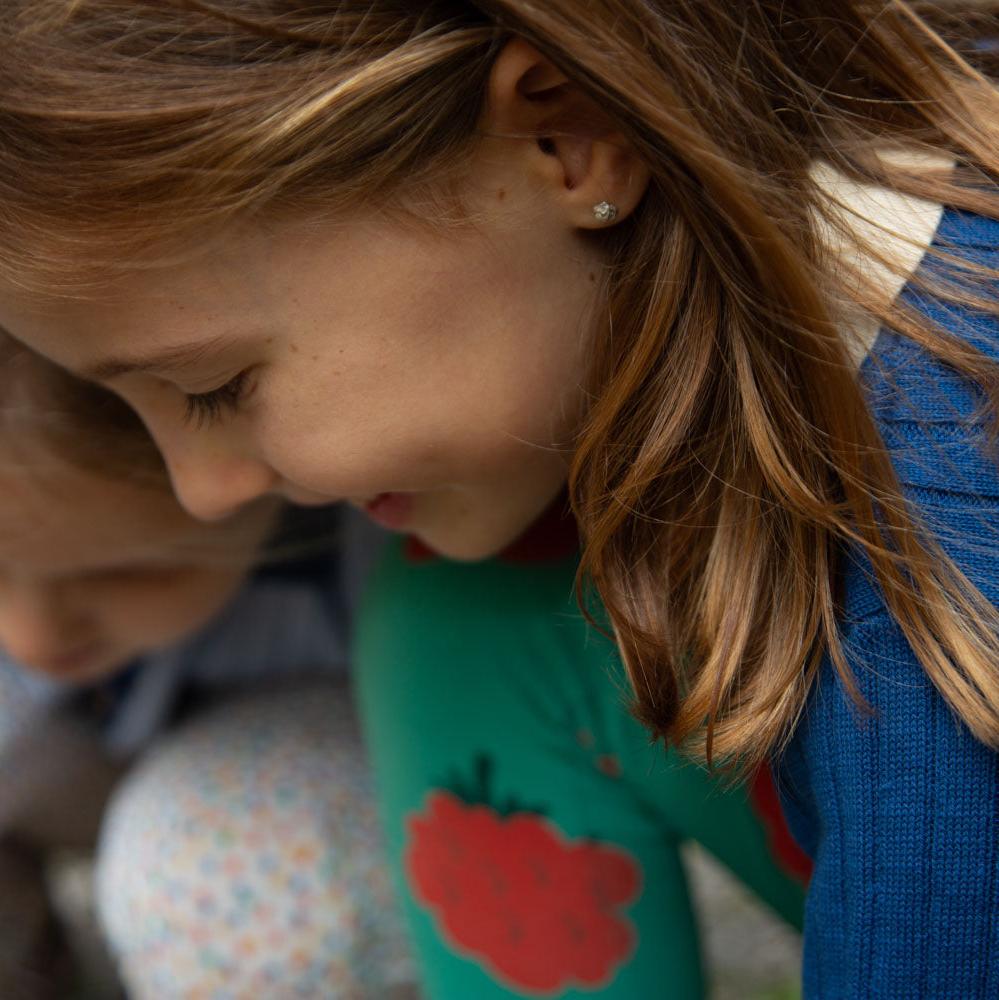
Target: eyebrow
{"points": [[163, 362]]}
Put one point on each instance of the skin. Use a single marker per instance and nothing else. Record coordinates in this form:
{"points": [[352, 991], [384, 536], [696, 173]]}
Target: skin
{"points": [[94, 572], [373, 355]]}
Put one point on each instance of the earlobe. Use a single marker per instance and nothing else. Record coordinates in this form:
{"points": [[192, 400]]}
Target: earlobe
{"points": [[612, 186], [581, 159]]}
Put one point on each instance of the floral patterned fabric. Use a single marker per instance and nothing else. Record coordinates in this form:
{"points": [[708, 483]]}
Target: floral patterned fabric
{"points": [[241, 858]]}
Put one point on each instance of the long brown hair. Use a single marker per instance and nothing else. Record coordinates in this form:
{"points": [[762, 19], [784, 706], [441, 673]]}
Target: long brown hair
{"points": [[728, 454]]}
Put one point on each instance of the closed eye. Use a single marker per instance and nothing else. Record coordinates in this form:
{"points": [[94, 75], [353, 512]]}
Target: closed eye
{"points": [[203, 409]]}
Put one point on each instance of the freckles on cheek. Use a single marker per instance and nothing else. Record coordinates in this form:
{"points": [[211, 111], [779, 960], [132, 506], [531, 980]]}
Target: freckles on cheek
{"points": [[421, 463]]}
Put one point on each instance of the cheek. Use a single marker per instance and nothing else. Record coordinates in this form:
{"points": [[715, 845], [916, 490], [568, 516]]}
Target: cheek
{"points": [[360, 436], [416, 439], [143, 617], [425, 396]]}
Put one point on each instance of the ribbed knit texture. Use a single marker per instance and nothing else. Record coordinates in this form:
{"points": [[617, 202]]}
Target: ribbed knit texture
{"points": [[900, 811]]}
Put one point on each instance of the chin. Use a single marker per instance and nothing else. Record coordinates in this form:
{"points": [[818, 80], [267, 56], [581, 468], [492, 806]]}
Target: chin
{"points": [[461, 551], [91, 672], [476, 532], [467, 546]]}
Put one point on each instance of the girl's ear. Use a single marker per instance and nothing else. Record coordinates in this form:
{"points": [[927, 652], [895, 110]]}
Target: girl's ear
{"points": [[575, 151]]}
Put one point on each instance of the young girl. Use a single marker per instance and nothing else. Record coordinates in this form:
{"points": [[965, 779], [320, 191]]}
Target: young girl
{"points": [[239, 857], [726, 269]]}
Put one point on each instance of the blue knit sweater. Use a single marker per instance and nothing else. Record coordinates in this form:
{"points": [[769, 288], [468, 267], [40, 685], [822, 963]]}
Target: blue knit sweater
{"points": [[900, 811]]}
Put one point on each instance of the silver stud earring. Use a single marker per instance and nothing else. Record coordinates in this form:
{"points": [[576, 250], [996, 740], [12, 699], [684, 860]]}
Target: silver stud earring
{"points": [[605, 212]]}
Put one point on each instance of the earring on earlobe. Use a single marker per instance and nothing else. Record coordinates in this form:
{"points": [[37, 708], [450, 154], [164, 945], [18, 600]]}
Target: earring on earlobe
{"points": [[605, 212]]}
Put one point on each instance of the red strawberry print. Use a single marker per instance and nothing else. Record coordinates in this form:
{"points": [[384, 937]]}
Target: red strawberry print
{"points": [[542, 912]]}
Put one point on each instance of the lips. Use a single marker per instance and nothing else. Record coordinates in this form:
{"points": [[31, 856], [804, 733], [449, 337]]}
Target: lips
{"points": [[391, 510], [71, 661]]}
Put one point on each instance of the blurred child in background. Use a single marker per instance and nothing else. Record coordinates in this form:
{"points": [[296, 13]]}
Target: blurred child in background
{"points": [[239, 856]]}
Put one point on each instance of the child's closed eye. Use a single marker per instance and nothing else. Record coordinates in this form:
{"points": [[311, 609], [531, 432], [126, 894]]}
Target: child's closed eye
{"points": [[207, 408]]}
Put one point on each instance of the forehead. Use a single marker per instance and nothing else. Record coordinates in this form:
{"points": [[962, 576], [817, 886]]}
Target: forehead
{"points": [[174, 299], [56, 521], [244, 284]]}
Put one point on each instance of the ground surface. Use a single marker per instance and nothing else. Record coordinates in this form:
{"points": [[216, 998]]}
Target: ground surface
{"points": [[752, 955]]}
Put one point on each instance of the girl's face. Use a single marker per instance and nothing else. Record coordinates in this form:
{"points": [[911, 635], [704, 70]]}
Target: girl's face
{"points": [[94, 572], [431, 377]]}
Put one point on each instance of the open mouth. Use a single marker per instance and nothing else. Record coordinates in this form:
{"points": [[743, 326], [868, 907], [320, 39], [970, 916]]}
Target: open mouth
{"points": [[391, 510]]}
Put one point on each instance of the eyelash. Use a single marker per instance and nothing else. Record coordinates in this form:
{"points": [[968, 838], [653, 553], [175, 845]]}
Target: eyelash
{"points": [[206, 408]]}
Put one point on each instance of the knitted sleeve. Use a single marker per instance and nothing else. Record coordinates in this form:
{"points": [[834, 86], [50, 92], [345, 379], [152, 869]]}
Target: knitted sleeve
{"points": [[899, 808], [900, 812]]}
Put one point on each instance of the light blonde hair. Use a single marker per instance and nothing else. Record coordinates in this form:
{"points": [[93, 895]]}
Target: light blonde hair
{"points": [[45, 410], [51, 422], [729, 454]]}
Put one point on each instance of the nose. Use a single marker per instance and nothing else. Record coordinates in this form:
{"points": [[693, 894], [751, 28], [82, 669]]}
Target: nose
{"points": [[39, 625], [211, 485]]}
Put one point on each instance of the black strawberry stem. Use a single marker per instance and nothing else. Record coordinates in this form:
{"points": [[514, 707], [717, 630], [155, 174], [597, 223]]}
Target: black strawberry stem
{"points": [[484, 769], [479, 790]]}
